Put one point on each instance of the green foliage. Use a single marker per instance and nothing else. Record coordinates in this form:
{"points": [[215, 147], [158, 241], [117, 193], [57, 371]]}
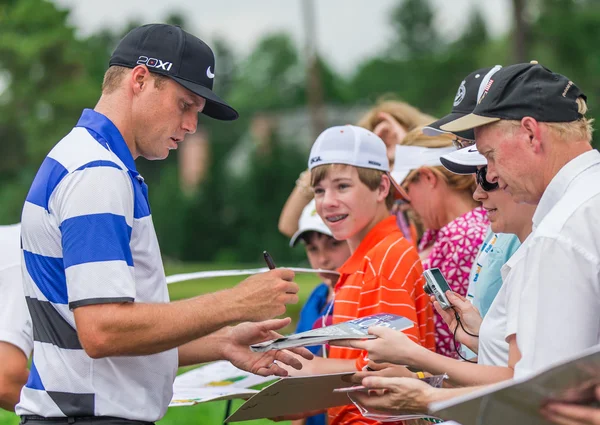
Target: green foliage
{"points": [[416, 36]]}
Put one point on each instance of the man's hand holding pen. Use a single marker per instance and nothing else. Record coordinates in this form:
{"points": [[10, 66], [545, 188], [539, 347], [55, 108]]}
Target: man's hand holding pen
{"points": [[265, 295]]}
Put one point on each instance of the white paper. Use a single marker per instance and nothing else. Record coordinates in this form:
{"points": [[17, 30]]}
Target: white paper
{"points": [[519, 400], [215, 381], [243, 272]]}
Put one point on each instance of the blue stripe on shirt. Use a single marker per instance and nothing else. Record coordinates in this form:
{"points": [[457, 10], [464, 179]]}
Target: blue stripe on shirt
{"points": [[49, 276], [99, 163], [49, 175], [95, 237], [34, 381]]}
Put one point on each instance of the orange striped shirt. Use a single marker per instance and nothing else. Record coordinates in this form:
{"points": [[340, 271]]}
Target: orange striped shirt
{"points": [[384, 275]]}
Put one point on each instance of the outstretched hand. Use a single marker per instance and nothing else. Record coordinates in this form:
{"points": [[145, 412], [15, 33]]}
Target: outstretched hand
{"points": [[240, 337]]}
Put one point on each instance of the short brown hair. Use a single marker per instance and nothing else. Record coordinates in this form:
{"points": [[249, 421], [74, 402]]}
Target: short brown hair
{"points": [[115, 74], [368, 176], [407, 116], [458, 182]]}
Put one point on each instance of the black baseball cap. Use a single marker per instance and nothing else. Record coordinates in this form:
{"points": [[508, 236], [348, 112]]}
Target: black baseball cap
{"points": [[523, 90], [464, 102], [168, 50]]}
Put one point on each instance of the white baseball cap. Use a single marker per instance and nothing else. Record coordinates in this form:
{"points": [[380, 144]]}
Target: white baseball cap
{"points": [[352, 145], [464, 161], [310, 221], [410, 158]]}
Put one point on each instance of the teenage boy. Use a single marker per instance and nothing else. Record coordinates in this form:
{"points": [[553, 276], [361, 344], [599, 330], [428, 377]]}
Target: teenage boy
{"points": [[353, 194]]}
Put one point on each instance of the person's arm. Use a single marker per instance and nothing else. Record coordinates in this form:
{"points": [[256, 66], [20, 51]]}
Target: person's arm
{"points": [[233, 344], [95, 209], [321, 366], [395, 347], [13, 375], [562, 413], [129, 329], [403, 395], [16, 339], [292, 210]]}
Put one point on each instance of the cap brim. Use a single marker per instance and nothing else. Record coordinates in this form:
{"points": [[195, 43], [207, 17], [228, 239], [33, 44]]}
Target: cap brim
{"points": [[463, 161], [434, 129], [468, 122], [215, 107], [300, 232], [400, 192]]}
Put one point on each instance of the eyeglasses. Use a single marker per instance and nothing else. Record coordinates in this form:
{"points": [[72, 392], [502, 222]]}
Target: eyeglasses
{"points": [[460, 143], [480, 176]]}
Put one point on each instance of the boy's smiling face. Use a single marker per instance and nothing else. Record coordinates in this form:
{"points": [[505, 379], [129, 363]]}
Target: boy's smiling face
{"points": [[346, 205]]}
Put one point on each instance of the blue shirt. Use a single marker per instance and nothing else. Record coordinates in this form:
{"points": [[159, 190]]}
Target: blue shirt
{"points": [[485, 280]]}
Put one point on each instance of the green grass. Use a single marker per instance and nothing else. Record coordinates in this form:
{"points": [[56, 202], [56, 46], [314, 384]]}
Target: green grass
{"points": [[214, 412]]}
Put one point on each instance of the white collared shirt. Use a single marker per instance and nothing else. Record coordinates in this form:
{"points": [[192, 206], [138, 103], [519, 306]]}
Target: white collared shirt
{"points": [[554, 303]]}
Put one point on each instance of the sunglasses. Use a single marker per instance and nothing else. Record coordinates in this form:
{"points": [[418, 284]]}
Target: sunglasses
{"points": [[481, 175], [460, 143]]}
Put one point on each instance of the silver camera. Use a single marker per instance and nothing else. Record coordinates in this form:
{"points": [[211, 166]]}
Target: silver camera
{"points": [[436, 285]]}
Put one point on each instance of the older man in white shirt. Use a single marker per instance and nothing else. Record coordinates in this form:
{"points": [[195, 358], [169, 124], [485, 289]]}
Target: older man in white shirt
{"points": [[16, 340], [530, 125]]}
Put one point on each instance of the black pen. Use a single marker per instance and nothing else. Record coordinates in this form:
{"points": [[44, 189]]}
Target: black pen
{"points": [[269, 260]]}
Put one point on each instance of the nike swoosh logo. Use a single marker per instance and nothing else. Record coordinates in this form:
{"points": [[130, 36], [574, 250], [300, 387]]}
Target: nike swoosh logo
{"points": [[209, 74], [472, 150]]}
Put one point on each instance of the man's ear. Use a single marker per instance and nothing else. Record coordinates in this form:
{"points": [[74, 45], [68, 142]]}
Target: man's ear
{"points": [[385, 185], [139, 79], [531, 132]]}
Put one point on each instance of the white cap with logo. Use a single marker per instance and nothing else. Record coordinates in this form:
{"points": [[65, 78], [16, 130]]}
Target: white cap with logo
{"points": [[352, 145], [410, 158], [310, 221]]}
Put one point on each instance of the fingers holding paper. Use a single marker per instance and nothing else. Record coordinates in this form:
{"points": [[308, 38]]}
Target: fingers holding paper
{"points": [[389, 346]]}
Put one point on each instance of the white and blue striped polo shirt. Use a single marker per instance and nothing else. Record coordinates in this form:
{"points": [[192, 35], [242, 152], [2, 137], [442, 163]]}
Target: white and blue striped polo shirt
{"points": [[88, 238]]}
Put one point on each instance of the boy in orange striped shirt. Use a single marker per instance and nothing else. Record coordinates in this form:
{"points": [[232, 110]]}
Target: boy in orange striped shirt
{"points": [[353, 193]]}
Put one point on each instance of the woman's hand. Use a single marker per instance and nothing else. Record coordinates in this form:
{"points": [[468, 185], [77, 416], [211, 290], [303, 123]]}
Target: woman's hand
{"points": [[389, 346], [469, 316]]}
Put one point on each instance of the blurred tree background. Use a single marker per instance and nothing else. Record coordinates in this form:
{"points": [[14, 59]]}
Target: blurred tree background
{"points": [[48, 75]]}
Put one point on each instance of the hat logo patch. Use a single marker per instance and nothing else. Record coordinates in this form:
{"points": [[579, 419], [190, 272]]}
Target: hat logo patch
{"points": [[485, 90], [209, 74], [154, 63], [375, 163], [315, 159], [569, 84], [460, 94]]}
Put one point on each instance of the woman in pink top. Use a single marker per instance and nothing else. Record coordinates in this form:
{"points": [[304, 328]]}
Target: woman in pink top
{"points": [[454, 223]]}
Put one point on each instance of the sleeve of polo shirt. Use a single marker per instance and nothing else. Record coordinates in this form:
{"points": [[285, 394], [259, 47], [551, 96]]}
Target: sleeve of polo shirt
{"points": [[15, 322], [94, 206], [559, 304]]}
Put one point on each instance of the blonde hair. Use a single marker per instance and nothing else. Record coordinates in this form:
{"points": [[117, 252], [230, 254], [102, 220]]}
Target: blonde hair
{"points": [[407, 116], [457, 182], [368, 176], [115, 74]]}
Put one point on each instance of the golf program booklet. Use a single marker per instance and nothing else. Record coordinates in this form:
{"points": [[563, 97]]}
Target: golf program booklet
{"points": [[215, 381], [518, 401], [353, 329]]}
